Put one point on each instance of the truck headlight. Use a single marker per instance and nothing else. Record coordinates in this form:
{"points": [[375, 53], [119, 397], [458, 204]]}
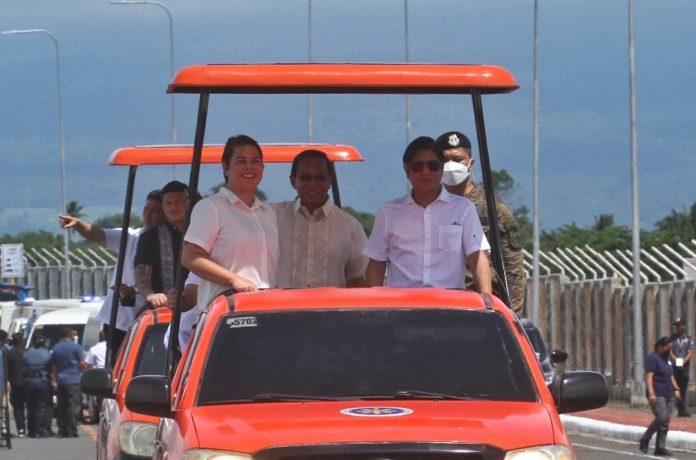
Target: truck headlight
{"points": [[552, 452], [137, 438], [207, 454]]}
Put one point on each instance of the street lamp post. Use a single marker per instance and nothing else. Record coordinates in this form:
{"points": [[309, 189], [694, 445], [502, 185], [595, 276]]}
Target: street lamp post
{"points": [[638, 390], [65, 284], [407, 58], [171, 54], [535, 166], [310, 125]]}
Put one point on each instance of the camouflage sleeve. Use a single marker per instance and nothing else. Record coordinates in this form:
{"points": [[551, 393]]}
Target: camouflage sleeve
{"points": [[513, 258]]}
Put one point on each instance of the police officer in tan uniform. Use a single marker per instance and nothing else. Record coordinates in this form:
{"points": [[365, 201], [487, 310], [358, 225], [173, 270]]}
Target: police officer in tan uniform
{"points": [[458, 180]]}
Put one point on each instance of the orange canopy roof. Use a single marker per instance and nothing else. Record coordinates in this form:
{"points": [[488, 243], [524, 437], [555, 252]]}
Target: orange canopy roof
{"points": [[312, 78], [183, 154]]}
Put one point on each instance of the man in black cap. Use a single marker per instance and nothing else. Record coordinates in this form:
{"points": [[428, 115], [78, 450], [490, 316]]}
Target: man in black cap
{"points": [[680, 356], [159, 248], [457, 178]]}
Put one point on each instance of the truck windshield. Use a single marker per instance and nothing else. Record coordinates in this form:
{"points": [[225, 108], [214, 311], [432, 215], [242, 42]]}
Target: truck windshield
{"points": [[364, 354]]}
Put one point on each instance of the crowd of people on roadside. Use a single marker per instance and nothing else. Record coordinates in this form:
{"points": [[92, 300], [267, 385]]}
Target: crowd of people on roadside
{"points": [[31, 376]]}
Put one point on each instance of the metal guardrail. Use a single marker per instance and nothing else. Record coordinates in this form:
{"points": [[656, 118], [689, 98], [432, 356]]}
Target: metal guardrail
{"points": [[90, 271], [657, 264]]}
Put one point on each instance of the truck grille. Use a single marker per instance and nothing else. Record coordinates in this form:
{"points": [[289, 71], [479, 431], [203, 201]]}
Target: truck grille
{"points": [[383, 451]]}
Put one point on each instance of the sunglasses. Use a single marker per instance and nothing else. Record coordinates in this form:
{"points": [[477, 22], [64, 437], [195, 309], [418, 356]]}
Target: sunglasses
{"points": [[418, 166], [315, 177]]}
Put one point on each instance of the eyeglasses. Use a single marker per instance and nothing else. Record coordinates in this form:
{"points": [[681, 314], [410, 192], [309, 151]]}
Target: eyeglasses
{"points": [[315, 177], [418, 166]]}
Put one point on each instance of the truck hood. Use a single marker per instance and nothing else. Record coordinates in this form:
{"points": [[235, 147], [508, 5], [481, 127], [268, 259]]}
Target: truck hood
{"points": [[252, 427]]}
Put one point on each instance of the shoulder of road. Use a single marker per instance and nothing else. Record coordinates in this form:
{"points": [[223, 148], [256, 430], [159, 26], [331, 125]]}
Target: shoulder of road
{"points": [[621, 421]]}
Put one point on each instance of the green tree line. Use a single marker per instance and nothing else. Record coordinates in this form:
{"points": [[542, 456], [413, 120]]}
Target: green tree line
{"points": [[604, 234]]}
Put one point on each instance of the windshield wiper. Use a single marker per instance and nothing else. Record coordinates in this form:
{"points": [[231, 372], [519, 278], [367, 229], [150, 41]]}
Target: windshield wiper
{"points": [[276, 397], [417, 394]]}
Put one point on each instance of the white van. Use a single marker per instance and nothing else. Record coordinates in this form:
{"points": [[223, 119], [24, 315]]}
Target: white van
{"points": [[19, 316], [82, 319]]}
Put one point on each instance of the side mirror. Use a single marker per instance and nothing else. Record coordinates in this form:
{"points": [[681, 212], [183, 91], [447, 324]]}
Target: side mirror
{"points": [[149, 395], [97, 382], [580, 390], [559, 356]]}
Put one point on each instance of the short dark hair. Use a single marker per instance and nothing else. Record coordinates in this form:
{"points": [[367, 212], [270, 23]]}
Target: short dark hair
{"points": [[662, 341], [37, 340], [311, 153], [422, 143], [174, 187], [236, 141], [155, 195], [3, 335], [17, 339]]}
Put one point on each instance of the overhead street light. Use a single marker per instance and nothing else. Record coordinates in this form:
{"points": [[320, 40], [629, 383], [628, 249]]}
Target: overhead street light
{"points": [[171, 54], [65, 285]]}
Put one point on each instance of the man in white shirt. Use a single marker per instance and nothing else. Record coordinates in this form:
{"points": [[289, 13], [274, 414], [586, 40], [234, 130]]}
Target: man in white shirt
{"points": [[320, 244], [110, 239], [96, 356], [429, 236], [189, 312]]}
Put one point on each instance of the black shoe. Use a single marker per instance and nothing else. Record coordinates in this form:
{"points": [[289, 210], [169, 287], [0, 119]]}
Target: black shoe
{"points": [[643, 445], [663, 452], [684, 414]]}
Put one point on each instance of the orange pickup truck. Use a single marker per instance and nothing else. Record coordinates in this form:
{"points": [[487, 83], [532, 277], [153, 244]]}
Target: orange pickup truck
{"points": [[353, 374]]}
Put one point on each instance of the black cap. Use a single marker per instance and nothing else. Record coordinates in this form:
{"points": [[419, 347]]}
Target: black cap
{"points": [[453, 140]]}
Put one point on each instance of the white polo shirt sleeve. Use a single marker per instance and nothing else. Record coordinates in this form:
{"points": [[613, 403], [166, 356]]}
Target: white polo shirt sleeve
{"points": [[378, 245], [113, 238], [192, 278], [204, 225], [473, 238]]}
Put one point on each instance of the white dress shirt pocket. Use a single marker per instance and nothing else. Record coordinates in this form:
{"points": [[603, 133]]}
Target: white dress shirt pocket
{"points": [[450, 237]]}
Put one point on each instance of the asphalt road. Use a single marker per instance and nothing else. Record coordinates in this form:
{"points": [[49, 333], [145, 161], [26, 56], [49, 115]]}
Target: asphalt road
{"points": [[82, 447], [596, 448]]}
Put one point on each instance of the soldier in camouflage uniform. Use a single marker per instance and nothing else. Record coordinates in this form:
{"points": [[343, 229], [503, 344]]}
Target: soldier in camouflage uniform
{"points": [[457, 180]]}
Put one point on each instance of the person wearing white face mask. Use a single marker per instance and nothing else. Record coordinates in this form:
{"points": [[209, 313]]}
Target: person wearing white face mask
{"points": [[455, 174], [458, 179]]}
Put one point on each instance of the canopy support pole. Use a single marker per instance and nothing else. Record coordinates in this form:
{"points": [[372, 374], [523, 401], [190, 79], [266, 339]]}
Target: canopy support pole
{"points": [[119, 265], [494, 234]]}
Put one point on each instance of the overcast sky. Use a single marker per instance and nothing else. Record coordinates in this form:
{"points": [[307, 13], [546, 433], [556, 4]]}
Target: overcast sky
{"points": [[115, 68]]}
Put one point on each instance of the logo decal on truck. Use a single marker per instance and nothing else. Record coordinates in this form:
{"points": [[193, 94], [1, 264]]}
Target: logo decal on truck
{"points": [[376, 411]]}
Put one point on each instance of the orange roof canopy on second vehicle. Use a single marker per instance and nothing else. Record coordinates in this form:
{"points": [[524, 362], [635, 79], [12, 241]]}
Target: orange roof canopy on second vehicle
{"points": [[212, 154]]}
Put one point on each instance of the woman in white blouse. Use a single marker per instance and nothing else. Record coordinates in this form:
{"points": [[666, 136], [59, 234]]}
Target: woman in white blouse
{"points": [[232, 240]]}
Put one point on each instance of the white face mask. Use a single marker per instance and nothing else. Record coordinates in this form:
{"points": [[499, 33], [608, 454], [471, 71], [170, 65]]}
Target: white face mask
{"points": [[454, 173]]}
